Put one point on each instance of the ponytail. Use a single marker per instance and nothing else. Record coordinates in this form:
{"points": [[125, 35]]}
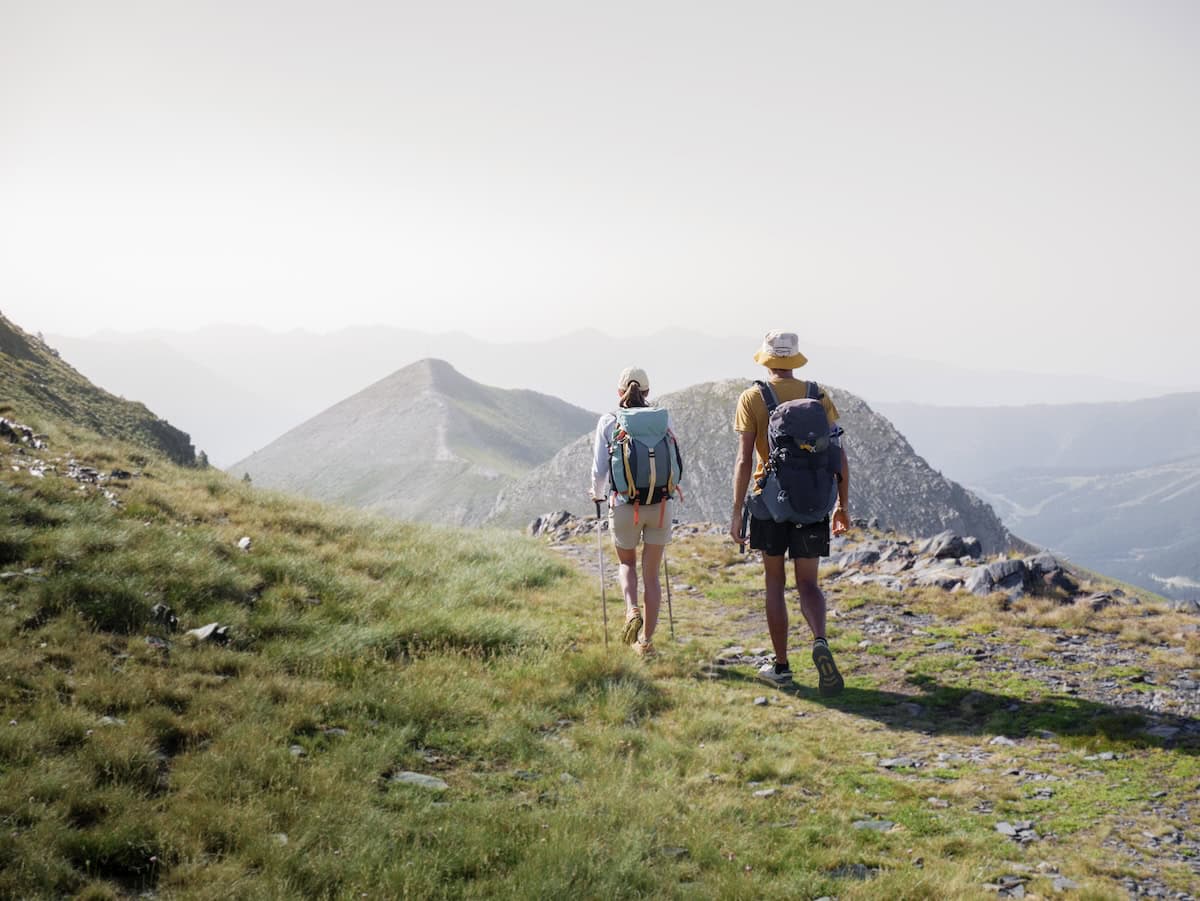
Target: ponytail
{"points": [[633, 396]]}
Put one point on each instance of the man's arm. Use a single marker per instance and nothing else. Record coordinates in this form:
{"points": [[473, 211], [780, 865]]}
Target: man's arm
{"points": [[841, 513], [741, 482]]}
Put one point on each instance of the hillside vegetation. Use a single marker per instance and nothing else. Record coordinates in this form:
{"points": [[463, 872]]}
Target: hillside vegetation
{"points": [[405, 711], [49, 393]]}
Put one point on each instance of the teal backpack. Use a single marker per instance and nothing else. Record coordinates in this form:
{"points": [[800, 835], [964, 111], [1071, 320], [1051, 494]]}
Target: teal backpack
{"points": [[644, 460]]}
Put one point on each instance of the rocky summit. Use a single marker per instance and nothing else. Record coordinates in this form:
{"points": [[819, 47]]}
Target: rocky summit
{"points": [[889, 481]]}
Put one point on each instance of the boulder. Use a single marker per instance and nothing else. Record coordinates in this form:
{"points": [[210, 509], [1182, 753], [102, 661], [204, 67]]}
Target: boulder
{"points": [[980, 581], [549, 522], [945, 545], [861, 557], [972, 547], [1008, 574]]}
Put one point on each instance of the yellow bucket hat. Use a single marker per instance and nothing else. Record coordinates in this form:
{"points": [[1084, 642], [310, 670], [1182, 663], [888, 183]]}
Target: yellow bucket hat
{"points": [[780, 350]]}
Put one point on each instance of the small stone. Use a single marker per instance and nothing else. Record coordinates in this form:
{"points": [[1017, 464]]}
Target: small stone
{"points": [[1006, 829], [297, 751], [766, 793], [421, 780], [244, 543], [874, 825], [939, 803], [280, 838], [674, 853], [1002, 740], [899, 763], [760, 702], [1063, 884], [568, 779], [854, 871]]}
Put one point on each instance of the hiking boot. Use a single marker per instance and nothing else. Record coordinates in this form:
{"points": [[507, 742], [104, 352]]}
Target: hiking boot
{"points": [[775, 673], [633, 625], [829, 681], [644, 648]]}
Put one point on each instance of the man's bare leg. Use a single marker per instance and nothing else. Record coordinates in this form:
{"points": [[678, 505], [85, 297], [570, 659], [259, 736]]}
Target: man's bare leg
{"points": [[775, 573], [812, 599]]}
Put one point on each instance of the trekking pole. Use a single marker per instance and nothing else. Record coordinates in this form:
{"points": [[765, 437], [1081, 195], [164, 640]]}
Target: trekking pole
{"points": [[600, 554], [667, 579], [745, 525]]}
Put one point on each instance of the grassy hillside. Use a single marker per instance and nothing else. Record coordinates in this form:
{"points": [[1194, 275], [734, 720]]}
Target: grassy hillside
{"points": [[40, 389], [133, 760]]}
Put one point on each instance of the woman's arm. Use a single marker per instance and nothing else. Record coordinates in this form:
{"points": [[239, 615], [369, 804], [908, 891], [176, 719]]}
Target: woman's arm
{"points": [[600, 456]]}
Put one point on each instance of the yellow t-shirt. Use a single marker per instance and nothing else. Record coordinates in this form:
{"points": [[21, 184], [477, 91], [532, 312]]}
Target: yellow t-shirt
{"points": [[751, 413]]}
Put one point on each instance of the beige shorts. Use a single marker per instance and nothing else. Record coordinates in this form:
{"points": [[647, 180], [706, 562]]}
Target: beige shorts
{"points": [[626, 534]]}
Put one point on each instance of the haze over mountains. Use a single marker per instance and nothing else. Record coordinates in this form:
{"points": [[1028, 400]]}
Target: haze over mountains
{"points": [[241, 387], [1113, 486]]}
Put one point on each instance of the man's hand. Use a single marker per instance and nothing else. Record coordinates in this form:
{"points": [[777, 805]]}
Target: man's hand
{"points": [[841, 521], [735, 528]]}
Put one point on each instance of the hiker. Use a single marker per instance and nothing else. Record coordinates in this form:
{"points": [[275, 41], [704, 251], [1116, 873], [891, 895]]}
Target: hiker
{"points": [[790, 517], [636, 467]]}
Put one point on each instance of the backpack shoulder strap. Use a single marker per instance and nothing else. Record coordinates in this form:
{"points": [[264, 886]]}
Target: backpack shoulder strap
{"points": [[768, 395], [814, 391]]}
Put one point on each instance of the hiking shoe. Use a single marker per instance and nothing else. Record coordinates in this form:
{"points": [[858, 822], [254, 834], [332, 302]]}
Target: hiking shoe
{"points": [[633, 625], [644, 648], [829, 681], [775, 673]]}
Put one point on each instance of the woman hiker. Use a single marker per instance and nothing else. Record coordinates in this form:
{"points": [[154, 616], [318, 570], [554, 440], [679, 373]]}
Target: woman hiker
{"points": [[630, 472]]}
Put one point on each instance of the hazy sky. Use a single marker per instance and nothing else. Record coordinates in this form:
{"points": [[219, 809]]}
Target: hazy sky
{"points": [[1005, 184]]}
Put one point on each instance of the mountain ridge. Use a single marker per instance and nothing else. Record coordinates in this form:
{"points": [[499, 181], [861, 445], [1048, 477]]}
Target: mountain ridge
{"points": [[888, 480]]}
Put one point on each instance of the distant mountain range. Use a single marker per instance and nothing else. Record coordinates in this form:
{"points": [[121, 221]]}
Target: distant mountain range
{"points": [[424, 443], [35, 382], [1113, 486], [238, 387], [888, 479]]}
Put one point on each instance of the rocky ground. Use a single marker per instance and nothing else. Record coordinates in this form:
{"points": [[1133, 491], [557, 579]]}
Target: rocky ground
{"points": [[1074, 679]]}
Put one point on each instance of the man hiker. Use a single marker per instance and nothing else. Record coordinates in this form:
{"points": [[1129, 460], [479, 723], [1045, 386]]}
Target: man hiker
{"points": [[804, 542]]}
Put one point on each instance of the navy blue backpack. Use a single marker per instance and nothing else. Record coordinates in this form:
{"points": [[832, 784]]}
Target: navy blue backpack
{"points": [[804, 460]]}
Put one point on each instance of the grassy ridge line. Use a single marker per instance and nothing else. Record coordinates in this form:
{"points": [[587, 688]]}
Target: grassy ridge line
{"points": [[42, 390], [261, 769]]}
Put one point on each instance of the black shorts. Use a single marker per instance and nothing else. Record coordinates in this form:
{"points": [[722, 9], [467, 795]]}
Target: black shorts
{"points": [[774, 538]]}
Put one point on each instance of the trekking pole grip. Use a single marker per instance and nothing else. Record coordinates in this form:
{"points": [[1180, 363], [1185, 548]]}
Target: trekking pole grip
{"points": [[597, 508]]}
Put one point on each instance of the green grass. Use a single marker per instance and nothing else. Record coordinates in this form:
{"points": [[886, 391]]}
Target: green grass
{"points": [[361, 649]]}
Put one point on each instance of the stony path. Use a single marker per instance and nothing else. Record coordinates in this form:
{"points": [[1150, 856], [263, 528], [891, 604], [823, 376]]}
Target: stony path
{"points": [[940, 726]]}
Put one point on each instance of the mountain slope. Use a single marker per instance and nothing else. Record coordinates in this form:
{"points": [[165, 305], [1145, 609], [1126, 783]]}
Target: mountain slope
{"points": [[424, 443], [1141, 525], [888, 480], [1114, 486], [226, 417], [39, 387], [973, 443]]}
